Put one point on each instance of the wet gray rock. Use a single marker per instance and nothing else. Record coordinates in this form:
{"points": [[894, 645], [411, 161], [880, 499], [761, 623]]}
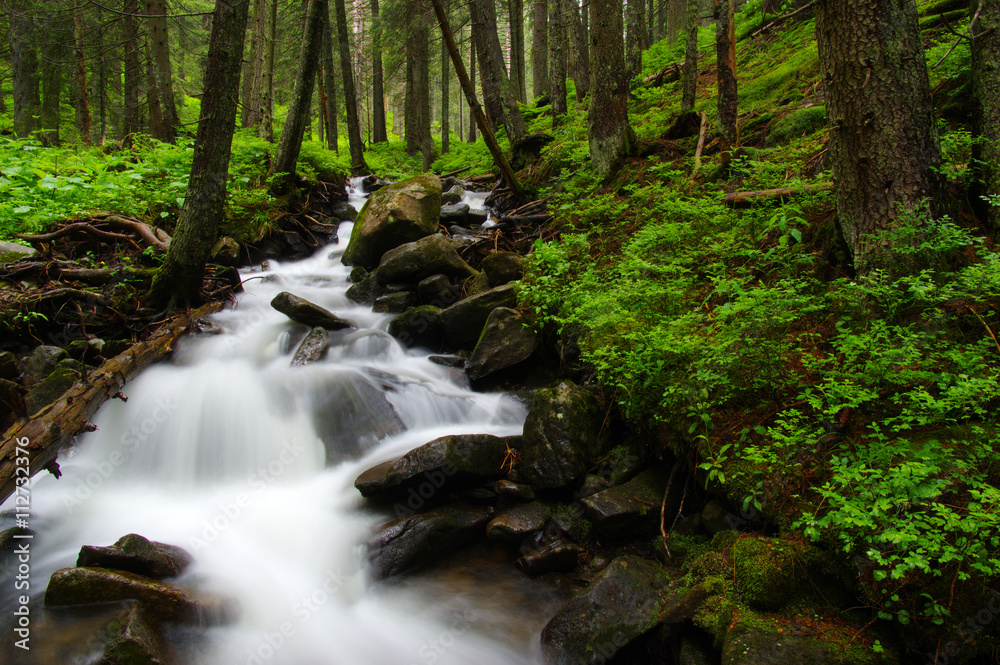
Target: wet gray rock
{"points": [[366, 291], [454, 193], [135, 639], [620, 604], [629, 509], [9, 390], [395, 303], [396, 214], [40, 363], [455, 212], [592, 484], [556, 556], [503, 267], [418, 326], [351, 416], [8, 366], [89, 350], [226, 251], [52, 387], [437, 290], [511, 490], [344, 211], [443, 463], [463, 322], [136, 554], [309, 314], [313, 347], [518, 522], [414, 261], [20, 251], [506, 340], [416, 540], [358, 274], [476, 217], [561, 436]]}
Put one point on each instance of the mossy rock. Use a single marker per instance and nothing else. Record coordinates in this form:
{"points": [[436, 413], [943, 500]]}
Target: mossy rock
{"points": [[769, 571], [797, 123], [418, 326]]}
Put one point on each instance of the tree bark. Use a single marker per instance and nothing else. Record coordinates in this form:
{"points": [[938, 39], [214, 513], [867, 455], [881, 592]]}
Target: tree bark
{"points": [[515, 12], [675, 15], [470, 97], [883, 139], [445, 96], [986, 111], [725, 48], [540, 48], [501, 105], [179, 278], [253, 77], [132, 75], [689, 94], [634, 38], [581, 49], [358, 165], [81, 92], [159, 44], [329, 88], [472, 83], [24, 68], [379, 134], [417, 110], [52, 83], [611, 137], [153, 98], [557, 62], [290, 143], [265, 127]]}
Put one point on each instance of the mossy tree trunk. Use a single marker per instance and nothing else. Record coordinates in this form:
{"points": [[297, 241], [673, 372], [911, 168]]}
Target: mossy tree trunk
{"points": [[290, 144], [472, 83], [725, 48], [159, 45], [358, 165], [557, 61], [690, 92], [329, 88], [515, 17], [611, 136], [986, 114], [253, 77], [24, 68], [498, 94], [179, 278], [445, 96], [580, 48], [52, 81], [883, 139], [81, 96], [132, 74], [379, 134], [540, 48], [633, 38]]}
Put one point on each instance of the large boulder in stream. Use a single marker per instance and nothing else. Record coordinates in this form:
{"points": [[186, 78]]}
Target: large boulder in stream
{"points": [[620, 604], [309, 314], [313, 348], [442, 464], [629, 509], [162, 600], [351, 416], [413, 261], [418, 326], [463, 322], [136, 554], [561, 436], [506, 340], [398, 213], [416, 540]]}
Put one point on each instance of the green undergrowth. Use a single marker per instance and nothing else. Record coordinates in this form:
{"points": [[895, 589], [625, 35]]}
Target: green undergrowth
{"points": [[857, 413]]}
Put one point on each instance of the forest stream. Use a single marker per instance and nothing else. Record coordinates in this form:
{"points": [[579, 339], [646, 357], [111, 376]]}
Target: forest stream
{"points": [[248, 463]]}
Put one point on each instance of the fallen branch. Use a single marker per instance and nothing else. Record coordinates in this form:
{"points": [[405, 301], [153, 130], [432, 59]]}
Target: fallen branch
{"points": [[524, 220], [745, 199], [701, 145], [40, 438], [82, 227], [143, 230], [783, 18], [450, 174], [668, 74]]}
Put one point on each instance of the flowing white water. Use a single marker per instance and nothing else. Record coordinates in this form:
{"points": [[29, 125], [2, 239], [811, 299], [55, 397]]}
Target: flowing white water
{"points": [[224, 451]]}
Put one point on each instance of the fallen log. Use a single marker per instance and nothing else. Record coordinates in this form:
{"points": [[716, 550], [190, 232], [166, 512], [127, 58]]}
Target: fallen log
{"points": [[72, 228], [142, 229], [524, 220], [746, 199], [456, 172], [668, 74], [33, 444]]}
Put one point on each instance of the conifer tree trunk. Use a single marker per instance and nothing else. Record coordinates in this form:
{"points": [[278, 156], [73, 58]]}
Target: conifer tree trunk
{"points": [[725, 48], [633, 38], [253, 78], [445, 97], [611, 136], [52, 85], [580, 49], [675, 18], [557, 61], [883, 138], [299, 108], [155, 116], [132, 74], [379, 134], [265, 126], [986, 110], [690, 91], [472, 79], [179, 278], [417, 110], [159, 45], [24, 68], [515, 9], [540, 48], [329, 82], [80, 90], [358, 165], [498, 95]]}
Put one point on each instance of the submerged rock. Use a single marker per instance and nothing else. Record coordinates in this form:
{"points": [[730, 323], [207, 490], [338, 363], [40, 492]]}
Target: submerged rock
{"points": [[351, 416], [135, 554], [561, 436], [416, 540], [518, 522], [506, 340], [620, 604], [629, 509], [313, 348], [135, 640], [309, 314], [398, 213], [414, 261], [463, 322]]}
